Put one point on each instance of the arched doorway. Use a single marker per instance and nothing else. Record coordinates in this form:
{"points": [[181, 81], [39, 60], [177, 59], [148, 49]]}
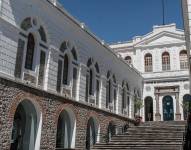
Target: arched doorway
{"points": [[111, 130], [66, 130], [148, 109], [168, 109], [91, 133], [186, 105], [25, 127]]}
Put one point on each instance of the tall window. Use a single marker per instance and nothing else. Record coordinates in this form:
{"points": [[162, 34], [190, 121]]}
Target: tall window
{"points": [[183, 60], [165, 61], [128, 60], [125, 98], [111, 91], [148, 63], [30, 52], [92, 82], [66, 69]]}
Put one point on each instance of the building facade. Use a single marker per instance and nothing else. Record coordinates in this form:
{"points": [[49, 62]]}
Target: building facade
{"points": [[186, 11], [161, 57], [60, 86]]}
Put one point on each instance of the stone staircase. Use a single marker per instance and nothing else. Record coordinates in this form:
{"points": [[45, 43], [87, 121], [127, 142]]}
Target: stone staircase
{"points": [[148, 136]]}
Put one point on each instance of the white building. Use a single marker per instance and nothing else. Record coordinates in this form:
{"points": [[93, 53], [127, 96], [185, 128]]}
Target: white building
{"points": [[186, 9], [60, 86], [161, 57]]}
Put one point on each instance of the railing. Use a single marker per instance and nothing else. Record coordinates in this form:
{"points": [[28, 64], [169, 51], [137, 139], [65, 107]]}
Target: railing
{"points": [[187, 134]]}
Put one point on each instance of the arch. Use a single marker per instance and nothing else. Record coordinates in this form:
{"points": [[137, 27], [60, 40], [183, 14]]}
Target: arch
{"points": [[168, 108], [64, 46], [91, 132], [66, 129], [165, 61], [183, 59], [26, 126], [26, 24], [148, 108], [186, 105], [148, 63], [128, 59]]}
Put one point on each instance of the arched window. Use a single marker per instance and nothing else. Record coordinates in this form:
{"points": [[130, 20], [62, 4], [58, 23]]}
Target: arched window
{"points": [[128, 59], [32, 56], [30, 52], [183, 59], [148, 63], [165, 61], [92, 82], [111, 92], [67, 75], [108, 90], [125, 98], [65, 71]]}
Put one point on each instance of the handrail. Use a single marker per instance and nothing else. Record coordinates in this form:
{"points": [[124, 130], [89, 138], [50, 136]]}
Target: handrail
{"points": [[187, 134]]}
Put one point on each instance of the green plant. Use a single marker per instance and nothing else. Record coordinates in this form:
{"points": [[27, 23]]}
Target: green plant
{"points": [[185, 106], [138, 105]]}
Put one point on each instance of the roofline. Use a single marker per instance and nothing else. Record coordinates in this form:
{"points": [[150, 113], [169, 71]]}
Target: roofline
{"points": [[147, 34], [61, 9]]}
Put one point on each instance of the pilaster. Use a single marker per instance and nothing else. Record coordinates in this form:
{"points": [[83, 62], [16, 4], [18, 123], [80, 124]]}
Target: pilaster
{"points": [[157, 115]]}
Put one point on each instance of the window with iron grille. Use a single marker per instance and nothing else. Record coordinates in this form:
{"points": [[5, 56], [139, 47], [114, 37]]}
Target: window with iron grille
{"points": [[128, 59], [148, 63], [183, 60], [165, 61]]}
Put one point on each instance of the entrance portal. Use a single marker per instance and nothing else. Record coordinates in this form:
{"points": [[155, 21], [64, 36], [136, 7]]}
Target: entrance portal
{"points": [[148, 109], [168, 110]]}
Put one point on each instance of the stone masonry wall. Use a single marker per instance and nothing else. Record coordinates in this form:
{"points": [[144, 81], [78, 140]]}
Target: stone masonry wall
{"points": [[50, 105]]}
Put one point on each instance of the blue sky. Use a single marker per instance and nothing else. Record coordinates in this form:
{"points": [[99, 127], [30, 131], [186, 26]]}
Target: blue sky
{"points": [[120, 20]]}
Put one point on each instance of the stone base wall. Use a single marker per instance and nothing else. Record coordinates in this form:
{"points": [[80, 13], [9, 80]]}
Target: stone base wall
{"points": [[50, 105]]}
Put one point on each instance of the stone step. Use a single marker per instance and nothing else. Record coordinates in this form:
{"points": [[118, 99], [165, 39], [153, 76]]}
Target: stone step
{"points": [[146, 139], [148, 136]]}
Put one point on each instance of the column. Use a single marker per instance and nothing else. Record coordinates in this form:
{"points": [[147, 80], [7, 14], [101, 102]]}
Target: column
{"points": [[178, 114], [157, 115]]}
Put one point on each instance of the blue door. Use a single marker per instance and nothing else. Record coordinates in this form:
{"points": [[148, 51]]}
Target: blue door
{"points": [[168, 110]]}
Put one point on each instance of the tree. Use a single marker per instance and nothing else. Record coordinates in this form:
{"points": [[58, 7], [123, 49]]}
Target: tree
{"points": [[138, 105]]}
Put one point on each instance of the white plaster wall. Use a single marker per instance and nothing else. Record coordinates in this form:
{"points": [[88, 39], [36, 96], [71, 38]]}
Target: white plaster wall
{"points": [[162, 39], [60, 27]]}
